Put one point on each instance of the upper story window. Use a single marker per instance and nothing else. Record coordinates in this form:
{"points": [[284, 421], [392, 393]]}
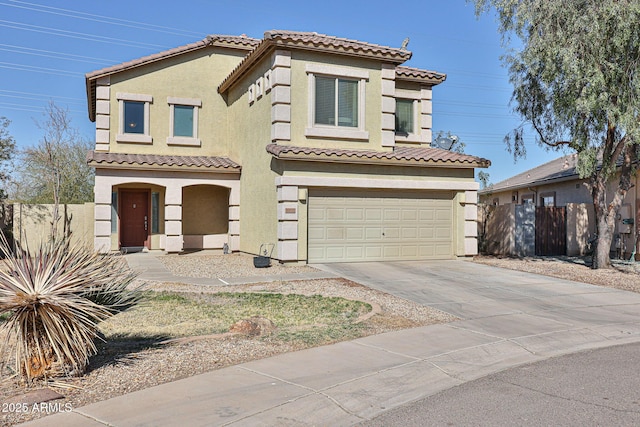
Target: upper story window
{"points": [[183, 121], [405, 117], [336, 102], [134, 118]]}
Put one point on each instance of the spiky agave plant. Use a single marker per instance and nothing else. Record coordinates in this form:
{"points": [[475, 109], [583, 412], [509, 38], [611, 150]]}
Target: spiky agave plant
{"points": [[56, 297]]}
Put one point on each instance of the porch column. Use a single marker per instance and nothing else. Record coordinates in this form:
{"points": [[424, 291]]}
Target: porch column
{"points": [[102, 214], [234, 219], [173, 219], [288, 223], [471, 223]]}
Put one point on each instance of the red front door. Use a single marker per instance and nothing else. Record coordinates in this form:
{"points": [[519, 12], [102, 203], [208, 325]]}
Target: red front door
{"points": [[134, 218]]}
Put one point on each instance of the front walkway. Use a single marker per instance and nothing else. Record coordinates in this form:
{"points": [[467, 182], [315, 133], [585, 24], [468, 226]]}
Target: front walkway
{"points": [[510, 319]]}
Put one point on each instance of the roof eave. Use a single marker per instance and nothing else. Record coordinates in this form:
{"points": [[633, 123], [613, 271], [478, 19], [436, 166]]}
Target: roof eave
{"points": [[533, 184], [155, 167], [427, 81], [377, 161]]}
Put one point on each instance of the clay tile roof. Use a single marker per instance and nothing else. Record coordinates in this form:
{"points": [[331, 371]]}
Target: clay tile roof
{"points": [[238, 42], [316, 42], [337, 43], [417, 74], [421, 156], [152, 160]]}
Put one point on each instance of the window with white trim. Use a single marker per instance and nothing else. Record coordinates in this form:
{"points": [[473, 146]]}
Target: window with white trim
{"points": [[336, 102], [134, 118], [183, 121]]}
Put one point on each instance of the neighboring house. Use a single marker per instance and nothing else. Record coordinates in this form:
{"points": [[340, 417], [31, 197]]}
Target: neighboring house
{"points": [[557, 184], [316, 144]]}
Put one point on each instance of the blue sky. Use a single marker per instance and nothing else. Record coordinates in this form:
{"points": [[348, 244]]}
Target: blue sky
{"points": [[46, 47]]}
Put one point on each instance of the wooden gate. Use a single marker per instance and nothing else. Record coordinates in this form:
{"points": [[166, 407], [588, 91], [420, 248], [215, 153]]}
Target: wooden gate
{"points": [[551, 231]]}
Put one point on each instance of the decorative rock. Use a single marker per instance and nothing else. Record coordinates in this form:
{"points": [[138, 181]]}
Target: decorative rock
{"points": [[254, 326], [35, 396]]}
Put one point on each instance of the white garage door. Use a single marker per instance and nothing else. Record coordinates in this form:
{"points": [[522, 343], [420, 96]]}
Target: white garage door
{"points": [[364, 225]]}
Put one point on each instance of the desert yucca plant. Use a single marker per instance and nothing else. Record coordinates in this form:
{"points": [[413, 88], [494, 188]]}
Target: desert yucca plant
{"points": [[55, 297]]}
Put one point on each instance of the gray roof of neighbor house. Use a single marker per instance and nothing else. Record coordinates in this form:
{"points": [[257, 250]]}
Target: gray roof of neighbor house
{"points": [[561, 169], [153, 161], [406, 156]]}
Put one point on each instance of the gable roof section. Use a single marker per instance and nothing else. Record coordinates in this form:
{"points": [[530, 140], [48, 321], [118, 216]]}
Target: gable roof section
{"points": [[418, 75], [152, 161], [561, 169], [405, 156], [233, 42], [314, 42]]}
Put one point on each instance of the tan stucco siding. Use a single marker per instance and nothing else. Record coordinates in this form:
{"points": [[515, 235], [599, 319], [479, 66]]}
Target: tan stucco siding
{"points": [[195, 76], [205, 210], [250, 125]]}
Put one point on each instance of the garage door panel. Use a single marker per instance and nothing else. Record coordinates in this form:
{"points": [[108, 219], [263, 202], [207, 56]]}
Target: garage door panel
{"points": [[354, 214], [391, 214], [335, 214], [367, 225], [391, 232], [355, 233], [373, 252], [373, 214], [335, 233]]}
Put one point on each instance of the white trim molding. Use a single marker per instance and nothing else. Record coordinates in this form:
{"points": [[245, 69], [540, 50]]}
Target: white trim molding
{"points": [[398, 184]]}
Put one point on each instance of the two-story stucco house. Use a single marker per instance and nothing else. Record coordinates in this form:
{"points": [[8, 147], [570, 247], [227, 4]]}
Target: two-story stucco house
{"points": [[316, 144]]}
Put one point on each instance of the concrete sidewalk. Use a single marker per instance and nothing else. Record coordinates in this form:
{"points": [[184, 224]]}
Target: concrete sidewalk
{"points": [[510, 318]]}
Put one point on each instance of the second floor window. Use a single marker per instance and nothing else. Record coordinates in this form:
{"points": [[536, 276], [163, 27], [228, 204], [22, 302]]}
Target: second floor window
{"points": [[183, 120], [404, 117], [336, 102], [134, 117], [134, 122]]}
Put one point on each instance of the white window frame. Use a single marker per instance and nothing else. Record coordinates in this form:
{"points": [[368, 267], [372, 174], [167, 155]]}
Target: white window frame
{"points": [[137, 138], [334, 131], [183, 140]]}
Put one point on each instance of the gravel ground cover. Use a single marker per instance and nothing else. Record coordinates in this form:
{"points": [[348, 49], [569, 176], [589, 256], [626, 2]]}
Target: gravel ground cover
{"points": [[114, 372], [222, 266], [623, 275]]}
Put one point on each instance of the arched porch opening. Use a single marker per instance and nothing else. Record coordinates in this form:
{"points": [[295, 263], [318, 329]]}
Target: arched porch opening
{"points": [[205, 216]]}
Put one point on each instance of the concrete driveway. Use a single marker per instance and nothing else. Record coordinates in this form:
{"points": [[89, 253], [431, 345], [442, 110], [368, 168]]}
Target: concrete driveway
{"points": [[520, 307]]}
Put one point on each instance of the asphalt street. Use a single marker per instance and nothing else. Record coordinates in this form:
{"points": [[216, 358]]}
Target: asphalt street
{"points": [[592, 388]]}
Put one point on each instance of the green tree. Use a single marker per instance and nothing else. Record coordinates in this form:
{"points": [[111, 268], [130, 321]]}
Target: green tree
{"points": [[576, 83], [483, 177], [55, 171], [7, 149]]}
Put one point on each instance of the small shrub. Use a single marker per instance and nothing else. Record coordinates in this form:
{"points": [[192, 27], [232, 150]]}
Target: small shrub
{"points": [[54, 298]]}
